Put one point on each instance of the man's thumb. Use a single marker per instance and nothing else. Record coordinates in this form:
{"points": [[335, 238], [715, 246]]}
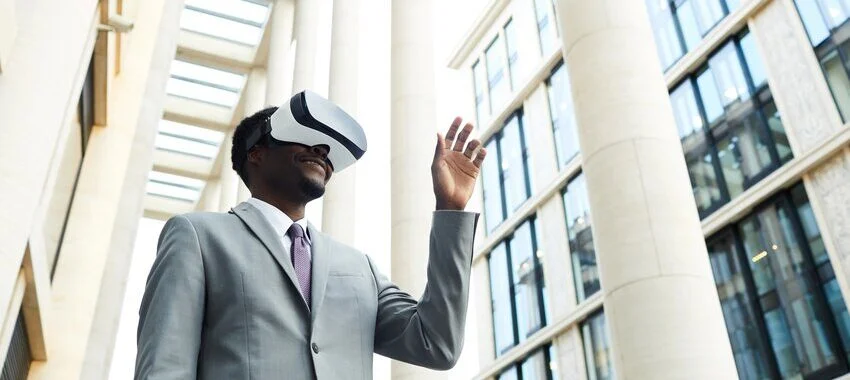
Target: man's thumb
{"points": [[441, 146]]}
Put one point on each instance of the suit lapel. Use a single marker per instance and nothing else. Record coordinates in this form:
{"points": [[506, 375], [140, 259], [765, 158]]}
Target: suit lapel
{"points": [[255, 220], [321, 265]]}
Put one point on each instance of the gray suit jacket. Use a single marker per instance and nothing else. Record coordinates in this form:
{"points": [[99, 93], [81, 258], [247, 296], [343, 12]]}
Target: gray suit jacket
{"points": [[221, 303]]}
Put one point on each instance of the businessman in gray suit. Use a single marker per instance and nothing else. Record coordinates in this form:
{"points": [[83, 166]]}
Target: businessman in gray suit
{"points": [[259, 293]]}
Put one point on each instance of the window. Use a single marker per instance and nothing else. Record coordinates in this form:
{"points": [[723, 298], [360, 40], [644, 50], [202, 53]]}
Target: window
{"points": [[536, 366], [829, 32], [187, 139], [506, 181], [730, 128], [784, 313], [479, 80], [563, 115], [514, 64], [597, 348], [70, 163], [680, 25], [580, 233], [499, 87], [18, 358], [516, 288], [239, 21], [204, 84], [546, 26], [174, 186]]}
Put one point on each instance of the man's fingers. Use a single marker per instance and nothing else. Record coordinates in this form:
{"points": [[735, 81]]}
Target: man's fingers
{"points": [[461, 138], [472, 148], [480, 157], [452, 133]]}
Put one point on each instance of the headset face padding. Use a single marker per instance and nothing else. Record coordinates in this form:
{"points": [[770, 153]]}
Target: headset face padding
{"points": [[311, 120]]}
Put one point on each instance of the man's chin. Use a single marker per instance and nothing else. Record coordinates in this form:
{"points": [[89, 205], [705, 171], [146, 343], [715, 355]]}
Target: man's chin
{"points": [[312, 189]]}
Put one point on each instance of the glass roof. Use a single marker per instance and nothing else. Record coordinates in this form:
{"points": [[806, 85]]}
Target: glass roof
{"points": [[238, 21], [188, 139], [204, 83], [174, 186]]}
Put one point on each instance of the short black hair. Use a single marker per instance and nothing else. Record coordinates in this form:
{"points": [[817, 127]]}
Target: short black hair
{"points": [[238, 153]]}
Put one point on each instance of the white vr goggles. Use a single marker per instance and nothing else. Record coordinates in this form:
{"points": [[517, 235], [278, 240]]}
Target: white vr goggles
{"points": [[313, 120]]}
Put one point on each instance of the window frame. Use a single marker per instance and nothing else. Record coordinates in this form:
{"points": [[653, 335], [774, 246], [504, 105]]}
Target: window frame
{"points": [[784, 199], [718, 129], [539, 285]]}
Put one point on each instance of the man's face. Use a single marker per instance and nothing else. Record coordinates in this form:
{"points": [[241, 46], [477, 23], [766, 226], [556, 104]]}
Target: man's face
{"points": [[294, 167]]}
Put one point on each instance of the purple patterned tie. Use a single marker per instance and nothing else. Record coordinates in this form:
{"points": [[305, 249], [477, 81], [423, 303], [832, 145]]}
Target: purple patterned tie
{"points": [[300, 254]]}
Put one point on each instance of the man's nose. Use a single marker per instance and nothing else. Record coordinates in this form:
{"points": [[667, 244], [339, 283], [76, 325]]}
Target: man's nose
{"points": [[321, 150]]}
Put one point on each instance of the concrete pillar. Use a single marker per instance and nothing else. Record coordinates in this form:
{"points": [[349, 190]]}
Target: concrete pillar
{"points": [[8, 30], [254, 100], [338, 202], [307, 37], [306, 34], [660, 299], [277, 67], [87, 289], [210, 196], [412, 137], [228, 180]]}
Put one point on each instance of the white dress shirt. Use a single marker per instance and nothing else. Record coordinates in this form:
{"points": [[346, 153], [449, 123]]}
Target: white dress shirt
{"points": [[280, 223]]}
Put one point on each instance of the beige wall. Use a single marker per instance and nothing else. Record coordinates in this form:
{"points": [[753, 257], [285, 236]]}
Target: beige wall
{"points": [[36, 95]]}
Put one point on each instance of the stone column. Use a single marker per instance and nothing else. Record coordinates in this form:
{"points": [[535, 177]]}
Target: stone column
{"points": [[228, 180], [210, 196], [338, 202], [307, 17], [660, 299], [277, 69], [412, 136], [254, 99], [306, 36]]}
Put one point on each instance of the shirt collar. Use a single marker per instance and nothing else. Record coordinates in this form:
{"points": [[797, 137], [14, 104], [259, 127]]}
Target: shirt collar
{"points": [[279, 221]]}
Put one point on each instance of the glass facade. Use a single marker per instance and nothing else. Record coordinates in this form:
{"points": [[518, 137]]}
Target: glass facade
{"points": [[499, 88], [479, 79], [536, 366], [515, 66], [784, 313], [731, 131], [680, 25], [506, 180], [563, 115], [580, 233], [547, 27], [829, 32], [516, 288], [597, 348]]}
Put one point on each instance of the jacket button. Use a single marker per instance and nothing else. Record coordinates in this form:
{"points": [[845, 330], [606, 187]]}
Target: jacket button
{"points": [[315, 348]]}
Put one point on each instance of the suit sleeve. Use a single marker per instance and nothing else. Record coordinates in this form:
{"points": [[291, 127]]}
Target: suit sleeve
{"points": [[429, 332], [172, 310]]}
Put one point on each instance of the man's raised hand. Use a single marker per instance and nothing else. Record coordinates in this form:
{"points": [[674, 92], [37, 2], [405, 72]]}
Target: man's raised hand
{"points": [[456, 166]]}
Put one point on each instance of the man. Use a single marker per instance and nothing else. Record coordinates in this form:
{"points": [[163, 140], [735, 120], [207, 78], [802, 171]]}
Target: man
{"points": [[250, 294]]}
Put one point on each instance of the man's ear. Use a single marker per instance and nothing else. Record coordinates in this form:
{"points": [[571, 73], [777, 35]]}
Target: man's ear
{"points": [[256, 155]]}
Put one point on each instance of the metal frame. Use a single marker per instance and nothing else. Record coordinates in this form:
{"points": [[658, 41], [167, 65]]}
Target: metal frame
{"points": [[718, 129], [673, 7], [783, 199], [570, 252], [517, 365]]}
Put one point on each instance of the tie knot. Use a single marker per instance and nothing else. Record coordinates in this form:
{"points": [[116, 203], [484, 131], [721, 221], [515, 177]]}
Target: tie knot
{"points": [[295, 231]]}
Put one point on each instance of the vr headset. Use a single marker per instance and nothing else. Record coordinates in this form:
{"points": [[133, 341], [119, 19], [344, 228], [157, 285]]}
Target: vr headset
{"points": [[313, 120]]}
